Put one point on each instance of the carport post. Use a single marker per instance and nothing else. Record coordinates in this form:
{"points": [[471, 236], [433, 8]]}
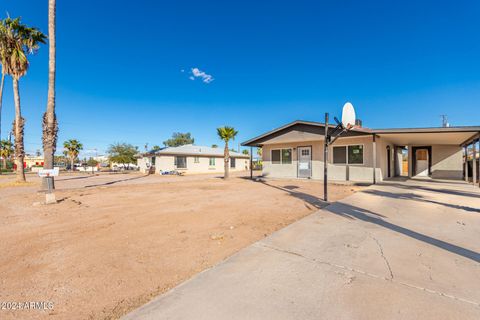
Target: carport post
{"points": [[466, 163], [374, 160], [251, 163], [474, 163], [325, 161]]}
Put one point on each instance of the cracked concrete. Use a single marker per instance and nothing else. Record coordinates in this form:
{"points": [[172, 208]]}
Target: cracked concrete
{"points": [[374, 255], [383, 256]]}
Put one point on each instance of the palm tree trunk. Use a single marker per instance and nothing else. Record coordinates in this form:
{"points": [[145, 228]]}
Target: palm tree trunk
{"points": [[50, 125], [226, 167], [1, 97], [18, 130], [71, 163]]}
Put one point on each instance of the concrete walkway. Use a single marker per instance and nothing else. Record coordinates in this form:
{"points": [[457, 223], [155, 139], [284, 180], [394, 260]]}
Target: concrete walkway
{"points": [[399, 250]]}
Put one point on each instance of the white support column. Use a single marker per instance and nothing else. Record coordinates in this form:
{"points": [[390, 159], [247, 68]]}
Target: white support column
{"points": [[374, 160], [466, 163], [474, 162]]}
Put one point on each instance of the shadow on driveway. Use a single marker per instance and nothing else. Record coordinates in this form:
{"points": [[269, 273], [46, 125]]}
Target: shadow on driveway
{"points": [[355, 213]]}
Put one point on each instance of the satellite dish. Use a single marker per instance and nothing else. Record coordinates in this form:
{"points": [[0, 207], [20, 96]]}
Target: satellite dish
{"points": [[348, 115]]}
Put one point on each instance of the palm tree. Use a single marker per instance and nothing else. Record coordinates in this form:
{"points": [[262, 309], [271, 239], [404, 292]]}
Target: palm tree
{"points": [[6, 151], [3, 52], [50, 125], [72, 148], [19, 41], [226, 134]]}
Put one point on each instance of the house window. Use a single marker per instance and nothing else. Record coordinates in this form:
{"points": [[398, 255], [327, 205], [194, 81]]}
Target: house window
{"points": [[282, 156], [181, 162], [352, 154], [340, 155], [196, 160], [232, 162], [211, 162], [286, 156], [153, 160], [276, 156], [355, 154]]}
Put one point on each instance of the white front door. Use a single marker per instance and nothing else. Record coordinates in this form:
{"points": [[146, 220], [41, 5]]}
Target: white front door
{"points": [[422, 162], [304, 162]]}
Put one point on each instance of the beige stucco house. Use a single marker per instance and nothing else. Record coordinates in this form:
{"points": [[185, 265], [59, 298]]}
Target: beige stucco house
{"points": [[296, 150], [191, 159]]}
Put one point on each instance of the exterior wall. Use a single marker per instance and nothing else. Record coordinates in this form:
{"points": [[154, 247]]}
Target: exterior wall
{"points": [[447, 162], [336, 172], [167, 163]]}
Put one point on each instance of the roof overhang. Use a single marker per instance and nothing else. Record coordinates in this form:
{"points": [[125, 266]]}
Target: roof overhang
{"points": [[429, 136], [298, 131]]}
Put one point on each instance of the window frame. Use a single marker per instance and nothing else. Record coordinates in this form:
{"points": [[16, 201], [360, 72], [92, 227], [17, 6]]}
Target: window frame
{"points": [[233, 163], [176, 162], [346, 154], [210, 162], [281, 155], [196, 159]]}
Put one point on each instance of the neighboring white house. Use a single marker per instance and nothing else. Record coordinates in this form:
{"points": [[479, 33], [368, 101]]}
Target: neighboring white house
{"points": [[296, 150], [191, 159]]}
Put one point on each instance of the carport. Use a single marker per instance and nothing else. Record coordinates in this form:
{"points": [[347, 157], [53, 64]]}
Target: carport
{"points": [[432, 151]]}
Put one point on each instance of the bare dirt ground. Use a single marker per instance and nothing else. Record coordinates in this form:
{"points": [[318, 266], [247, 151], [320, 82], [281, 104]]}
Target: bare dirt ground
{"points": [[115, 241]]}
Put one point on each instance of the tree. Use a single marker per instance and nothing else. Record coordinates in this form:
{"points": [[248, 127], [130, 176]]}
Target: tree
{"points": [[122, 153], [6, 151], [259, 152], [19, 40], [156, 148], [214, 146], [245, 151], [179, 139], [72, 149], [50, 125], [92, 162], [226, 134]]}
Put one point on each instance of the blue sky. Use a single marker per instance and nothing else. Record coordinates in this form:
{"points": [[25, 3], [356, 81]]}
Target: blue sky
{"points": [[119, 66]]}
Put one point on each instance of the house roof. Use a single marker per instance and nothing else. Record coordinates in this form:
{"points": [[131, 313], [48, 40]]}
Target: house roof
{"points": [[308, 130], [193, 150]]}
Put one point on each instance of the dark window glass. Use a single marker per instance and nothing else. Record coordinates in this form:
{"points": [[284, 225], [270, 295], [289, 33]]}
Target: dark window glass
{"points": [[286, 156], [339, 155], [355, 154], [153, 160], [232, 162], [275, 156], [181, 162]]}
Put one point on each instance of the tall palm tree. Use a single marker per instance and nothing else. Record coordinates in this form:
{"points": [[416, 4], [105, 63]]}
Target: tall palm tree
{"points": [[20, 40], [226, 134], [6, 151], [72, 148], [50, 125], [3, 51]]}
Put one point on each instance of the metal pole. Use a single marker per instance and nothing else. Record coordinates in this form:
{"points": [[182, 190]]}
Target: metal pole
{"points": [[474, 163], [374, 160], [325, 161], [466, 163], [251, 163]]}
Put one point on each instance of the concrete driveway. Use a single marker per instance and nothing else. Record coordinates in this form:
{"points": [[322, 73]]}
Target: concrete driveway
{"points": [[398, 250]]}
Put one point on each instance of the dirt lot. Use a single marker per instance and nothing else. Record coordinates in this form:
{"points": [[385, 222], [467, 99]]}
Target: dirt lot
{"points": [[115, 241]]}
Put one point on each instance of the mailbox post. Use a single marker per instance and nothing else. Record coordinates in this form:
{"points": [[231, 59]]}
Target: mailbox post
{"points": [[49, 184]]}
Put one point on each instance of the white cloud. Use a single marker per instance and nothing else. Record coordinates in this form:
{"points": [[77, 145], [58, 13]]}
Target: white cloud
{"points": [[197, 73]]}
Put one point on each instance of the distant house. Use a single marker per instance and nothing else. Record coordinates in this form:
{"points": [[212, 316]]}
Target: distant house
{"points": [[191, 159]]}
